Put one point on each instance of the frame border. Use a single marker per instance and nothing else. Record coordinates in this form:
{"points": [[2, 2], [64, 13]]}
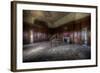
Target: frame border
{"points": [[14, 35]]}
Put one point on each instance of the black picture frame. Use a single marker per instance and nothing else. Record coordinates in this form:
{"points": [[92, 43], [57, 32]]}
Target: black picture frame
{"points": [[14, 37]]}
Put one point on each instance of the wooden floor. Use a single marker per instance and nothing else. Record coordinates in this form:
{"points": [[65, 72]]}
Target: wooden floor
{"points": [[44, 51]]}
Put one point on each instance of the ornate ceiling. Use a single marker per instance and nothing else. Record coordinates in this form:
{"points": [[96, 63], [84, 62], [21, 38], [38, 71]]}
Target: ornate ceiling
{"points": [[53, 19]]}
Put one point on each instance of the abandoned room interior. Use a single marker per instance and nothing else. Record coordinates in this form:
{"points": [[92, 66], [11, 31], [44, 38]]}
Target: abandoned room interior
{"points": [[56, 36]]}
